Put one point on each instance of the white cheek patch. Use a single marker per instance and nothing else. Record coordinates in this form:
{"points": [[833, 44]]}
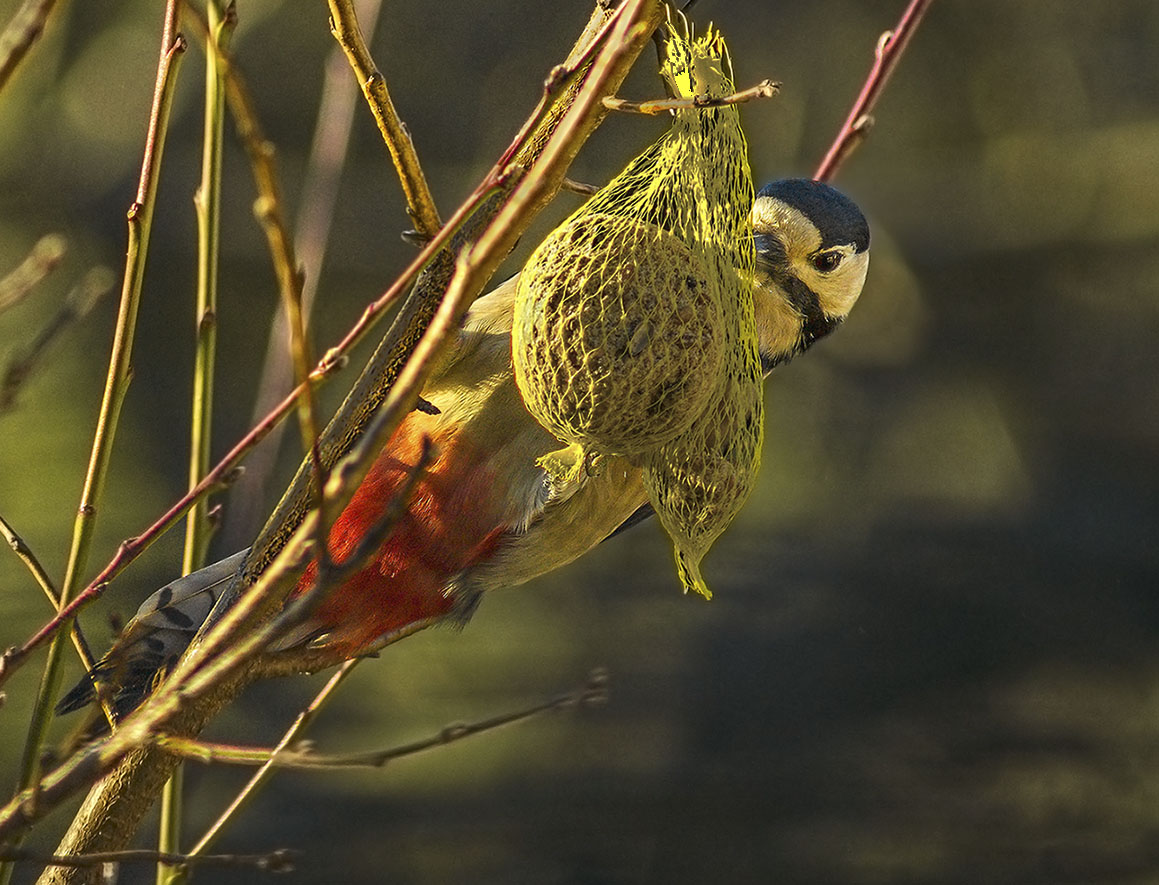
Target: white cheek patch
{"points": [[837, 291], [859, 268]]}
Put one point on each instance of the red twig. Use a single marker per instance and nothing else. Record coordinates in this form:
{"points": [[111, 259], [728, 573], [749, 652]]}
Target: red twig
{"points": [[890, 47], [131, 548]]}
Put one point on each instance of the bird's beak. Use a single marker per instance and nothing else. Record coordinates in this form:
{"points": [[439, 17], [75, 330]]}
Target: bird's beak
{"points": [[771, 258]]}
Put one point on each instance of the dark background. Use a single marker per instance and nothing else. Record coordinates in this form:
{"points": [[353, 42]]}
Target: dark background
{"points": [[932, 653]]}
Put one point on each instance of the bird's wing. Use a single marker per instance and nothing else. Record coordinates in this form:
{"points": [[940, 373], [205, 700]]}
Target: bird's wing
{"points": [[642, 514], [156, 635]]}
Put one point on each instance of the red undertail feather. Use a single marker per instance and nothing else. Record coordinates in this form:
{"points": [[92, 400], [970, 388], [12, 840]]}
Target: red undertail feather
{"points": [[449, 526]]}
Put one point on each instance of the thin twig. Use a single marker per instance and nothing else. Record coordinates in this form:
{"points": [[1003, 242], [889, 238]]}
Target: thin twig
{"points": [[140, 218], [44, 257], [280, 861], [97, 283], [268, 207], [267, 770], [269, 212], [207, 204], [219, 478], [312, 226], [888, 52], [20, 34], [764, 89], [420, 204], [221, 21], [24, 552], [594, 691], [579, 187]]}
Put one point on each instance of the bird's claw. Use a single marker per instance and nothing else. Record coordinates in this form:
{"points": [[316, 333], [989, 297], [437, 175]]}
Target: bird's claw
{"points": [[569, 468]]}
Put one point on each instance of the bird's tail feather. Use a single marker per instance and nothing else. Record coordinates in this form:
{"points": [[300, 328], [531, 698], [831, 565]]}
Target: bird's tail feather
{"points": [[154, 639]]}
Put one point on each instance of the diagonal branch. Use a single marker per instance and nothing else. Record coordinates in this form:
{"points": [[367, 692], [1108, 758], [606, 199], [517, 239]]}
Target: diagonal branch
{"points": [[420, 205], [887, 54], [312, 227], [764, 89], [39, 263], [266, 771], [95, 284], [21, 33], [221, 21], [280, 861], [22, 550]]}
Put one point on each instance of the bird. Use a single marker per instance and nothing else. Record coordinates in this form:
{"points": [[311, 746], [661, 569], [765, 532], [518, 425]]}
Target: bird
{"points": [[485, 515]]}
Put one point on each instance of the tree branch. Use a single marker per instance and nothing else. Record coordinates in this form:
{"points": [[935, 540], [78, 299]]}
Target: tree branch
{"points": [[95, 284], [280, 861], [594, 691], [39, 263], [764, 89], [420, 205], [887, 54], [20, 34], [267, 770]]}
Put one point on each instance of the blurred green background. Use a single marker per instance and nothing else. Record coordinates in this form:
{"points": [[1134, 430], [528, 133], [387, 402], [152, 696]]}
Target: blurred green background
{"points": [[932, 655]]}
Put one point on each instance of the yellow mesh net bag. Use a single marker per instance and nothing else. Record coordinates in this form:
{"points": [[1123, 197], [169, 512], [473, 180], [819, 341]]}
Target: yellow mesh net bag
{"points": [[634, 332]]}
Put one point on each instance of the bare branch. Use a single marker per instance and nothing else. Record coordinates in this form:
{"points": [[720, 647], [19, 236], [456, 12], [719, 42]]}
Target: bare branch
{"points": [[764, 89], [39, 263], [266, 771], [594, 691], [420, 205], [579, 187], [888, 52], [22, 550], [312, 225], [221, 20], [97, 283], [271, 217], [280, 861], [21, 33]]}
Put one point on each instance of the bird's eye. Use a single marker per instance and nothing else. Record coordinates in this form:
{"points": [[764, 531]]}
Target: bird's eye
{"points": [[825, 262]]}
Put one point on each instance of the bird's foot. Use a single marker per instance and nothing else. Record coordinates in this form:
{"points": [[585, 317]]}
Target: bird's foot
{"points": [[568, 468]]}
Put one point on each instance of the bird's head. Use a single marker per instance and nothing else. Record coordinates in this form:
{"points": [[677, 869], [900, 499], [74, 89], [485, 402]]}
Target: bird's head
{"points": [[812, 245]]}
